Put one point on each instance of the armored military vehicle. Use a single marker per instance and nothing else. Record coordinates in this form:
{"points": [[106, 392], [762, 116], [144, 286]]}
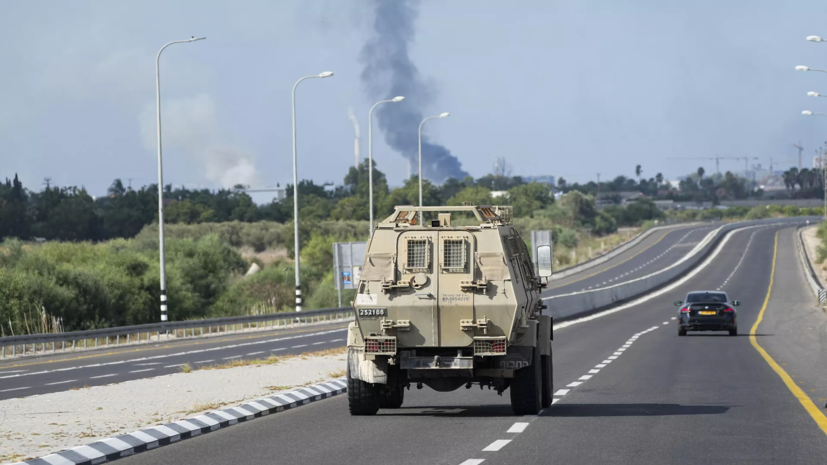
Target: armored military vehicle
{"points": [[449, 306]]}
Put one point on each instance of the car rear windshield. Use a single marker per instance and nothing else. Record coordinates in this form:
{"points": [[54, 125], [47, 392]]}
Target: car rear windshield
{"points": [[706, 297]]}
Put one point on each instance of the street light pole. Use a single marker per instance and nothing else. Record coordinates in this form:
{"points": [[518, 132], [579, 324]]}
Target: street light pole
{"points": [[396, 99], [161, 175], [296, 192], [441, 115], [598, 189]]}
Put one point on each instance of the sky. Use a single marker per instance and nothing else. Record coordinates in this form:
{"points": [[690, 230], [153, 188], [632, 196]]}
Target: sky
{"points": [[563, 88]]}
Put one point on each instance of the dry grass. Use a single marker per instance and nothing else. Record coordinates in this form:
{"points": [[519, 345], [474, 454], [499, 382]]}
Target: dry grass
{"points": [[337, 374], [185, 368], [271, 360], [325, 352]]}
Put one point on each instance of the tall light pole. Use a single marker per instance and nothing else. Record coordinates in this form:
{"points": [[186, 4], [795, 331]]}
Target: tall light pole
{"points": [[396, 99], [441, 115], [161, 175], [598, 189], [824, 172], [296, 192], [807, 68]]}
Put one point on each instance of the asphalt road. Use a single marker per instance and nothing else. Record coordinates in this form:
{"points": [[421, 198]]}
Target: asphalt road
{"points": [[54, 373], [656, 252], [629, 390]]}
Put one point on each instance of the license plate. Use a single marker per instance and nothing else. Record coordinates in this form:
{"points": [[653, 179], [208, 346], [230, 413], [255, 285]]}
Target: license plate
{"points": [[373, 311], [707, 312]]}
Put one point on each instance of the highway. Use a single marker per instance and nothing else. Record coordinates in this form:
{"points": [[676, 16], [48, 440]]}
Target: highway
{"points": [[628, 390], [24, 377]]}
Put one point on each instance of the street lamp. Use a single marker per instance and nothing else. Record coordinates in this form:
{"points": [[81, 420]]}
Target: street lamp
{"points": [[810, 113], [441, 115], [161, 174], [815, 94], [396, 99], [296, 191], [815, 39]]}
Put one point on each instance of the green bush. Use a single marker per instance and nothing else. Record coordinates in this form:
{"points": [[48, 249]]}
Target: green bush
{"points": [[757, 213], [568, 238]]}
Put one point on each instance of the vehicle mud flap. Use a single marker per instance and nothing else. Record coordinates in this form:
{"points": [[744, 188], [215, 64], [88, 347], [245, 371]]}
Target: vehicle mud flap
{"points": [[548, 379], [393, 395], [371, 371], [526, 387]]}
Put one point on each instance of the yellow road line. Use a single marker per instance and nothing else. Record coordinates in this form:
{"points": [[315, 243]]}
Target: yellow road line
{"points": [[149, 349], [806, 402], [616, 264]]}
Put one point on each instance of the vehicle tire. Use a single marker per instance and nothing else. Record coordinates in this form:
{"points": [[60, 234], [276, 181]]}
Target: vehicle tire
{"points": [[393, 398], [362, 397], [527, 387], [733, 331], [681, 331], [548, 380]]}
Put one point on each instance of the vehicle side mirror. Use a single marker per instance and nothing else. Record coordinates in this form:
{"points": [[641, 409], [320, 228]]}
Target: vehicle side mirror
{"points": [[678, 303], [544, 261], [735, 303]]}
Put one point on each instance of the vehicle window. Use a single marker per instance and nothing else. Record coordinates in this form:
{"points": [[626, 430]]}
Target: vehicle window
{"points": [[706, 297]]}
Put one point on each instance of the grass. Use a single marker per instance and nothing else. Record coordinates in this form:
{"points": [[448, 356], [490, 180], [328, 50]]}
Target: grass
{"points": [[271, 360], [185, 368], [338, 374]]}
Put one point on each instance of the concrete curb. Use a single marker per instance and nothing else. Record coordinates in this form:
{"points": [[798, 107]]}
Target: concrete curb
{"points": [[616, 251], [807, 267], [151, 438]]}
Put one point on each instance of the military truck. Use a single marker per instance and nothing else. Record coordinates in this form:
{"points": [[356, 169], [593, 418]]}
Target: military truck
{"points": [[449, 306]]}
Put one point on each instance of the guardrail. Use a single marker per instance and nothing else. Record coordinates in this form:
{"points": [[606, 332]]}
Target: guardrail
{"points": [[579, 304], [615, 252], [142, 334], [812, 279]]}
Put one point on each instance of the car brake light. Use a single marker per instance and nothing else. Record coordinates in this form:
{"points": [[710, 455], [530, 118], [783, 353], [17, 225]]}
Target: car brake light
{"points": [[685, 310], [728, 310]]}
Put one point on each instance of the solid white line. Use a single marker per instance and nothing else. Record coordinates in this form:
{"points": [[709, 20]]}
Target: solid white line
{"points": [[141, 371], [473, 462], [574, 384], [496, 445], [562, 392], [518, 427], [206, 361], [15, 389], [104, 376], [256, 353], [230, 358], [594, 371], [60, 382], [585, 377]]}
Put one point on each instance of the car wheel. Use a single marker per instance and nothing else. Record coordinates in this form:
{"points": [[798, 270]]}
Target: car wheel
{"points": [[733, 331]]}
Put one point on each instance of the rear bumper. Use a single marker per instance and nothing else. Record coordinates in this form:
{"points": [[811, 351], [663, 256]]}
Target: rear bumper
{"points": [[708, 324]]}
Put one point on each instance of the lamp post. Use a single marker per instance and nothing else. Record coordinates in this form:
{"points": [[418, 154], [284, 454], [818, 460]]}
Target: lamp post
{"points": [[441, 115], [296, 192], [161, 174], [823, 171], [807, 68], [396, 99]]}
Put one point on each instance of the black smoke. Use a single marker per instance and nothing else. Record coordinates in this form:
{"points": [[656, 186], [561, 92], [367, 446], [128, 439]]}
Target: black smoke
{"points": [[388, 72]]}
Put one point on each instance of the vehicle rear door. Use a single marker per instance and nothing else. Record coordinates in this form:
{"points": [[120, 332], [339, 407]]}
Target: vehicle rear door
{"points": [[416, 252], [454, 265]]}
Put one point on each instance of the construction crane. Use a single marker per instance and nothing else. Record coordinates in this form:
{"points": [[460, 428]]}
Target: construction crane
{"points": [[716, 158], [746, 161], [791, 160], [800, 151]]}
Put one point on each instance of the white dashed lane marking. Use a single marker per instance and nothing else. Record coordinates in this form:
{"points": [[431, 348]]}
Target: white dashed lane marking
{"points": [[518, 427], [141, 371], [15, 389], [574, 384], [562, 392], [255, 353], [206, 361], [230, 358], [473, 462], [104, 376], [60, 382], [496, 445]]}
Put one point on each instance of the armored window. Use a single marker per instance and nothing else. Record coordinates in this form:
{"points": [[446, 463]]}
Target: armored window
{"points": [[417, 255], [453, 255]]}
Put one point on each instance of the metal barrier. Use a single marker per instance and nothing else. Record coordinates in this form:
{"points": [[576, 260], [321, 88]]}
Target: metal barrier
{"points": [[579, 304], [812, 279], [142, 334]]}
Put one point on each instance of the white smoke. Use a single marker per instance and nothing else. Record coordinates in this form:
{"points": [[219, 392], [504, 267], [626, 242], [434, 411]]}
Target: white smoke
{"points": [[190, 125]]}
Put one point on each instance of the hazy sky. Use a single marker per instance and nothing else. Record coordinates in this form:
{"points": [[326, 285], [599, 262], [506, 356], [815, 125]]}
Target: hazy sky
{"points": [[566, 88]]}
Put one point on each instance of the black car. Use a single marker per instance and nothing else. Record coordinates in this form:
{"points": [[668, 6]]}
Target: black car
{"points": [[707, 311]]}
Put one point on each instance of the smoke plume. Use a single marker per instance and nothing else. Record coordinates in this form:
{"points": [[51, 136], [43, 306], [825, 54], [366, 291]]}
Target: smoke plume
{"points": [[388, 72], [191, 126]]}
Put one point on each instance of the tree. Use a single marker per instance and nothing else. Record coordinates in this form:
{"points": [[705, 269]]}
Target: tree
{"points": [[659, 179], [475, 195], [701, 172], [528, 198], [638, 170]]}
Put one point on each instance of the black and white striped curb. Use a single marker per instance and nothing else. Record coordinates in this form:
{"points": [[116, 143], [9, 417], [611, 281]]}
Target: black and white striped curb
{"points": [[150, 438]]}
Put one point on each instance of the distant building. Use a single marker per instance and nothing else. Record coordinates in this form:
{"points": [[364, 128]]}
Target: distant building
{"points": [[498, 194], [544, 179]]}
